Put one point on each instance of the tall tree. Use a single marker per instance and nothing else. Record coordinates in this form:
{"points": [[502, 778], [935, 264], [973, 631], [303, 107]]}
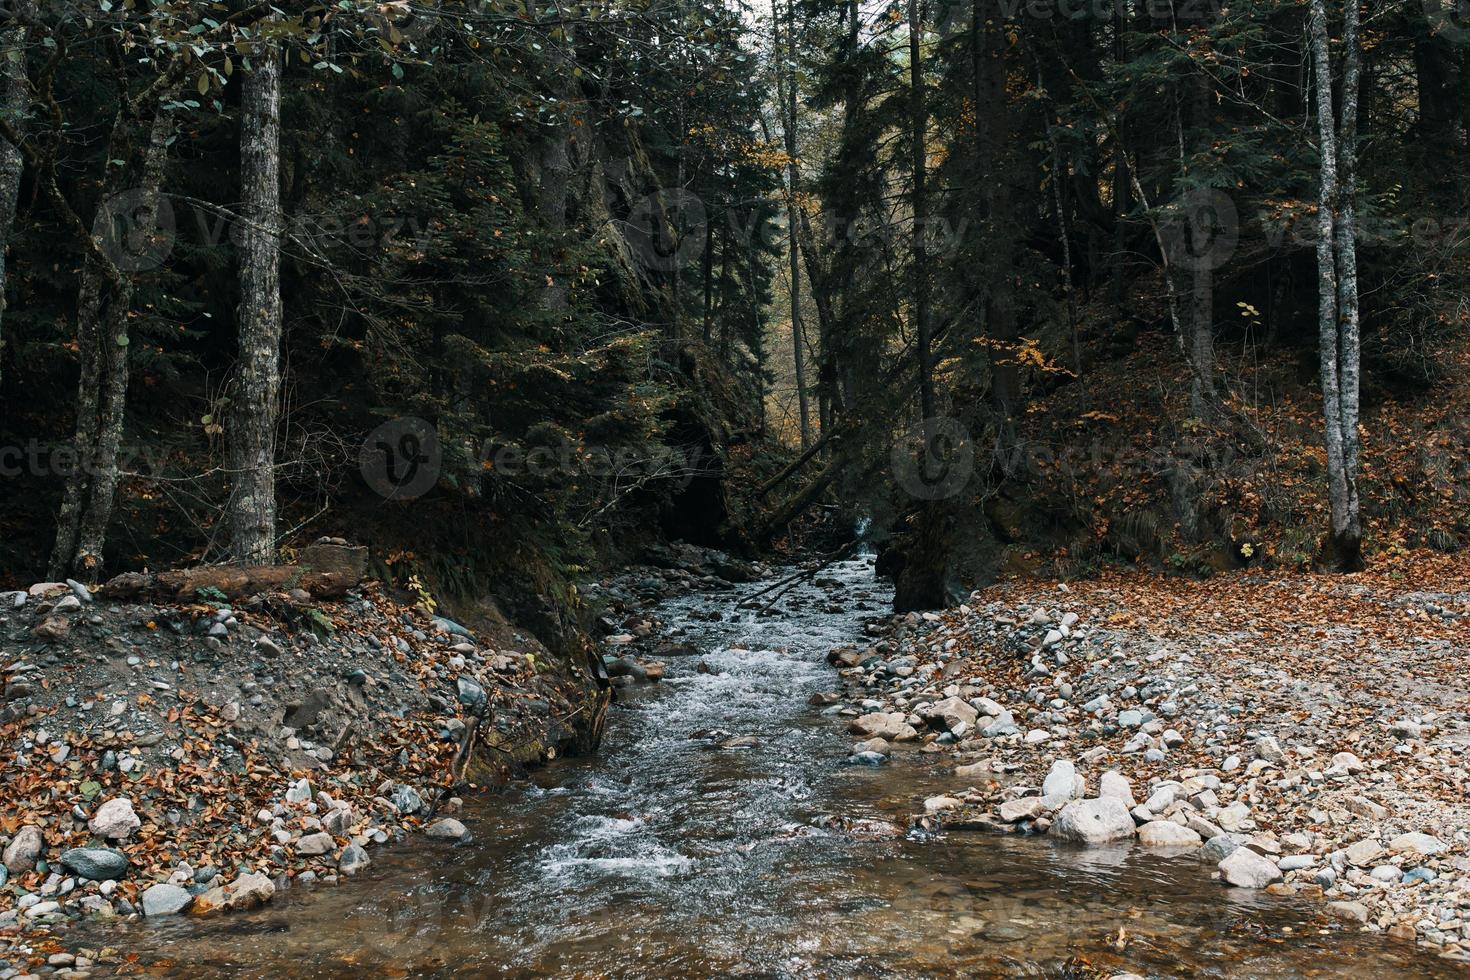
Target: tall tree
{"points": [[14, 103], [1337, 287], [257, 395]]}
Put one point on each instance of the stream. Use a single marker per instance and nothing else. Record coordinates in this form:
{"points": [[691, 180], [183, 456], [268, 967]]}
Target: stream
{"points": [[665, 856]]}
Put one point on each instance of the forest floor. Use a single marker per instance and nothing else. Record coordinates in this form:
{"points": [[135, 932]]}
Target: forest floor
{"points": [[1304, 733], [165, 758]]}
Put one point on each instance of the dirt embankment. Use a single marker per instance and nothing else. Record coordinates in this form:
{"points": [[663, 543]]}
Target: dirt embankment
{"points": [[190, 752]]}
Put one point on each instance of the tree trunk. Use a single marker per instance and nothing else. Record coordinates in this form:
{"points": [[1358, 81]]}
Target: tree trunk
{"points": [[14, 101], [256, 403], [786, 92], [1343, 518], [918, 166], [1348, 546], [102, 394]]}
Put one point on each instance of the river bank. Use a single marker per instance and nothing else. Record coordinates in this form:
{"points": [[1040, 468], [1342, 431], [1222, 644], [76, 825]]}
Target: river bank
{"points": [[197, 757], [1303, 734]]}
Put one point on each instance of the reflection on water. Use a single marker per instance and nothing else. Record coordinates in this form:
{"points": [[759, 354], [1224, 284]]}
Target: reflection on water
{"points": [[663, 856]]}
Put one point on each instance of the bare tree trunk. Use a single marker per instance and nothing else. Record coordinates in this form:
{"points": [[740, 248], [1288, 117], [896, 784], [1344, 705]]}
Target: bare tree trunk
{"points": [[256, 403], [1340, 499], [106, 374], [918, 166], [786, 92], [14, 101], [1349, 543]]}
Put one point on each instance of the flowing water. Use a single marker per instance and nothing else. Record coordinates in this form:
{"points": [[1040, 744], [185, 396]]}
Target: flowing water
{"points": [[663, 856]]}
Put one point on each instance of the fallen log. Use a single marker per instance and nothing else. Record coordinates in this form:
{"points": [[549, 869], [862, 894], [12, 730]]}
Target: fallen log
{"points": [[326, 570]]}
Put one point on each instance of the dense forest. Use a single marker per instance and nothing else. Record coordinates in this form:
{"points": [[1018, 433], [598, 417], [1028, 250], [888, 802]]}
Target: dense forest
{"points": [[1028, 287], [1060, 398]]}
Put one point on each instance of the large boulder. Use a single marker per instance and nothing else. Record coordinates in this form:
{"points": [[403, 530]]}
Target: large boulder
{"points": [[890, 725], [96, 863], [1244, 868], [1099, 821], [950, 714], [1167, 833], [1062, 781], [165, 900]]}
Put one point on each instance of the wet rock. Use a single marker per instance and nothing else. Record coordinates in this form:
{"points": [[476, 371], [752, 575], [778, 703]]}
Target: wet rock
{"points": [[96, 863], [1167, 833], [1026, 808], [877, 745], [866, 759], [353, 860], [165, 899], [1244, 868], [406, 799], [23, 850], [249, 891], [951, 713], [448, 828], [1098, 821], [1220, 847], [115, 819], [1348, 911], [892, 726]]}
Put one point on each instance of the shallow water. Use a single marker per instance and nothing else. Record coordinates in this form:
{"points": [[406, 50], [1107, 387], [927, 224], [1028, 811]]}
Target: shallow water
{"points": [[664, 857]]}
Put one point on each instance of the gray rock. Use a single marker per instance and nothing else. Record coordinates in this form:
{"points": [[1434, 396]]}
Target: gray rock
{"points": [[24, 850], [406, 799], [1296, 862], [115, 819], [1117, 786], [866, 759], [1098, 821], [1364, 852], [950, 713], [1160, 800], [1218, 848], [448, 828], [1004, 724], [353, 860], [1268, 748], [471, 694], [1417, 843], [1167, 833], [1244, 868], [1130, 718], [97, 863], [165, 900], [79, 590], [1026, 808], [314, 844], [300, 791], [1062, 780]]}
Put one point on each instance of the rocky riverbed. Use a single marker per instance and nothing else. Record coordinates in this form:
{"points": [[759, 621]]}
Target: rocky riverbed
{"points": [[1299, 734]]}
